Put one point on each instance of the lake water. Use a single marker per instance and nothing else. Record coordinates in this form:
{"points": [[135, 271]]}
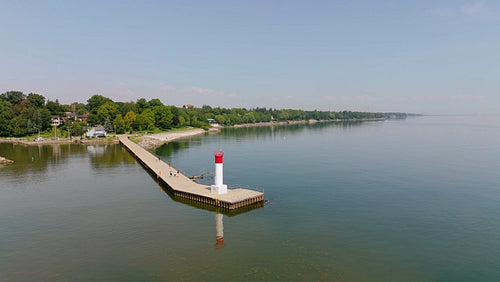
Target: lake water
{"points": [[413, 200]]}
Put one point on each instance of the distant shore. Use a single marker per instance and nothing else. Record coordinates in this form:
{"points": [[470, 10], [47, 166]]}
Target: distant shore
{"points": [[311, 121], [151, 141]]}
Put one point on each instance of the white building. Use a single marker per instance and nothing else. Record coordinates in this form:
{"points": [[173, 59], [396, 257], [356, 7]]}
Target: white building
{"points": [[97, 131]]}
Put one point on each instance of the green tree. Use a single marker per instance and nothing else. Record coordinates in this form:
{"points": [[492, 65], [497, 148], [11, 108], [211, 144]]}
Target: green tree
{"points": [[108, 110], [155, 103], [108, 126], [65, 108], [19, 126], [283, 115], [235, 118], [54, 107], [181, 121], [145, 120], [93, 120], [163, 117], [77, 128], [36, 119], [149, 117], [97, 101], [180, 118], [249, 117], [126, 107], [141, 105], [36, 100], [206, 109], [13, 97], [5, 118], [119, 124], [129, 120], [46, 119], [220, 119], [23, 108], [29, 127]]}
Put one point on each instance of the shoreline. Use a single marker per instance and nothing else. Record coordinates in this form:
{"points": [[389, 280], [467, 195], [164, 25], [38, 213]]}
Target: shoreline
{"points": [[155, 140], [151, 141], [76, 140], [292, 122]]}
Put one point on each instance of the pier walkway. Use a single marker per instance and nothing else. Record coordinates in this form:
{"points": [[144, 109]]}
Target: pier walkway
{"points": [[182, 186]]}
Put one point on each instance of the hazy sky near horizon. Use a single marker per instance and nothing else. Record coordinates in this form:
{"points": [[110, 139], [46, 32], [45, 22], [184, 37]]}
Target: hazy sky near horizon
{"points": [[409, 56]]}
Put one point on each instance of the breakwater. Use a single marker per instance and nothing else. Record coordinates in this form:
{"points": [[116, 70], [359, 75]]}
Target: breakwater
{"points": [[181, 186]]}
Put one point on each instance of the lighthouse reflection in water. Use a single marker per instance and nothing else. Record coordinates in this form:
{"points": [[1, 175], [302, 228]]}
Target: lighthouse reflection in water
{"points": [[219, 231]]}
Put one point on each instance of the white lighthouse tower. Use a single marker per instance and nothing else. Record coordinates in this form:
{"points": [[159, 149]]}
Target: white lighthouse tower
{"points": [[219, 187]]}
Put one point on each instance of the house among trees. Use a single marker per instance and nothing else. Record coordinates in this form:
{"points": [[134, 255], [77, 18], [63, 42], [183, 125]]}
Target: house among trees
{"points": [[74, 117], [97, 131], [68, 118]]}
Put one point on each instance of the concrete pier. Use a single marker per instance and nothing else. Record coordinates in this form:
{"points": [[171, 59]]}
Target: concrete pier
{"points": [[182, 186]]}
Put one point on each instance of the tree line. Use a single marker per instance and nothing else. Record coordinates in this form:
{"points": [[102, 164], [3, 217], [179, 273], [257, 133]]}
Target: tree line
{"points": [[21, 115]]}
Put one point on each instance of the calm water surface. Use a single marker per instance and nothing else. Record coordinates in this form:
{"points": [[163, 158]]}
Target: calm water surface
{"points": [[413, 200]]}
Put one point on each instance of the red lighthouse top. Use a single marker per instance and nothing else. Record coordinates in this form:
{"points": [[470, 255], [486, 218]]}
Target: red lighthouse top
{"points": [[218, 156]]}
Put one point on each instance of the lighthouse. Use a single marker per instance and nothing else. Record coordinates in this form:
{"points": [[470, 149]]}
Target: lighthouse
{"points": [[218, 187]]}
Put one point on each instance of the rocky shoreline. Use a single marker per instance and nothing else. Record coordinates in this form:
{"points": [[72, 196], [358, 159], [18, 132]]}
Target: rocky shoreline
{"points": [[5, 161], [150, 141]]}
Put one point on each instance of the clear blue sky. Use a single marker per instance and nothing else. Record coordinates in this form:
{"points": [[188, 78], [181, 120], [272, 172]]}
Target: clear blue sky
{"points": [[411, 56]]}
